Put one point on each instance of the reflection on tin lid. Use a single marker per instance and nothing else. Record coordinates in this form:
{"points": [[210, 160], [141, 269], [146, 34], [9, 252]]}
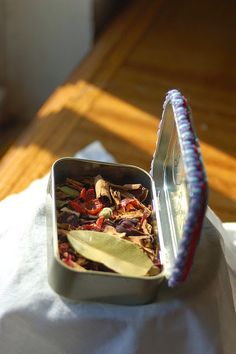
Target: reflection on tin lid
{"points": [[181, 186]]}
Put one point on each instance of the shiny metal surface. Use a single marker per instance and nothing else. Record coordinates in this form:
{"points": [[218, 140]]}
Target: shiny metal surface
{"points": [[169, 174], [181, 185]]}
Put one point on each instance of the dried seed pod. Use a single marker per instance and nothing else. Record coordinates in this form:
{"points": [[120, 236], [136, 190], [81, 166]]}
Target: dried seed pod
{"points": [[102, 189]]}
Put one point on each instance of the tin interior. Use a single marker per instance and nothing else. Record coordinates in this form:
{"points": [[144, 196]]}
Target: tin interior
{"points": [[114, 173], [92, 285]]}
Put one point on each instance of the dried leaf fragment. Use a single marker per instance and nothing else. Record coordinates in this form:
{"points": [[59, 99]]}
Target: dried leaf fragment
{"points": [[118, 254]]}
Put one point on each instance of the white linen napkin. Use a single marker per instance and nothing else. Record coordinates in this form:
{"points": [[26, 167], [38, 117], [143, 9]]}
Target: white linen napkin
{"points": [[197, 318]]}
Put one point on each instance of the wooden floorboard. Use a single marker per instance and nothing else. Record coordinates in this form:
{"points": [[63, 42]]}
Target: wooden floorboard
{"points": [[116, 95]]}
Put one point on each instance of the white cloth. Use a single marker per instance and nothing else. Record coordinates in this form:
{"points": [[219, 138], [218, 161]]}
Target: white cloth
{"points": [[197, 318]]}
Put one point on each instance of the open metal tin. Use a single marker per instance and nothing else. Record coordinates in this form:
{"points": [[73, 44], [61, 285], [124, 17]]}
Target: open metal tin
{"points": [[178, 194]]}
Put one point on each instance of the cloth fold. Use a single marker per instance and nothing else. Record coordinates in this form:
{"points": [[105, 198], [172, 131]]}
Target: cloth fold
{"points": [[198, 317]]}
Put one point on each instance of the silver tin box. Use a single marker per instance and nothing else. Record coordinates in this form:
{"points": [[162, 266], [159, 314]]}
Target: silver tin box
{"points": [[178, 193]]}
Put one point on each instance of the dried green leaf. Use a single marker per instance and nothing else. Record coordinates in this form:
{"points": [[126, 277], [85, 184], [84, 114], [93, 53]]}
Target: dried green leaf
{"points": [[69, 191], [120, 255], [61, 203]]}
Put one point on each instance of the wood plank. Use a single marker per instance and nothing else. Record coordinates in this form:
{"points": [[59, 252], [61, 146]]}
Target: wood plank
{"points": [[116, 96]]}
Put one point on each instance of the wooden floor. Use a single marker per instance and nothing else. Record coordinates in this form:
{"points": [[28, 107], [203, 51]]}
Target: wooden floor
{"points": [[116, 95]]}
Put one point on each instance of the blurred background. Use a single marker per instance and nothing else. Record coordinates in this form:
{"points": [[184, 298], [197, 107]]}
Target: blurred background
{"points": [[41, 42], [139, 50]]}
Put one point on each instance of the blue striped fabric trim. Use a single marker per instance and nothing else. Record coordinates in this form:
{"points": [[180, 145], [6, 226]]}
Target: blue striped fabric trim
{"points": [[197, 185]]}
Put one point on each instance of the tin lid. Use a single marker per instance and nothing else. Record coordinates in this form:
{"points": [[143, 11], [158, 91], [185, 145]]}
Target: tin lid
{"points": [[181, 185]]}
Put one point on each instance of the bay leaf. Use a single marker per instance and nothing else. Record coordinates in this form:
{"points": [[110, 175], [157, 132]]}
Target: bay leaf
{"points": [[120, 255]]}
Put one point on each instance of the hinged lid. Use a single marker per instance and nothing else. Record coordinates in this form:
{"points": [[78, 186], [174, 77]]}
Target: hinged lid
{"points": [[181, 185]]}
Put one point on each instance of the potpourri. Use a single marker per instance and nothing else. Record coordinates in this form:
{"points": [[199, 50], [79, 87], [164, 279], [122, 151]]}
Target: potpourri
{"points": [[92, 206]]}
